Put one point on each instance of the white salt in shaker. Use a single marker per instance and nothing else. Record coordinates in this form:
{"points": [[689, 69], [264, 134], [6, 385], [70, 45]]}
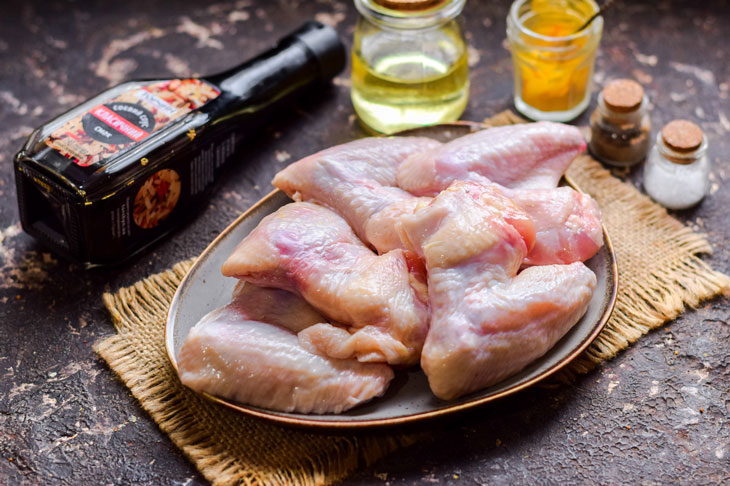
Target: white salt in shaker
{"points": [[676, 173]]}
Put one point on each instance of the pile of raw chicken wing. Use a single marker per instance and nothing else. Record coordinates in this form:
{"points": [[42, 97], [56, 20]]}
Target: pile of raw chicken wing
{"points": [[463, 257]]}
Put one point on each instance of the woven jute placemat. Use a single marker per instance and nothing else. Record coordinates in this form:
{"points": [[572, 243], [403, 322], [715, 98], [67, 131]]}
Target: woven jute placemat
{"points": [[659, 275]]}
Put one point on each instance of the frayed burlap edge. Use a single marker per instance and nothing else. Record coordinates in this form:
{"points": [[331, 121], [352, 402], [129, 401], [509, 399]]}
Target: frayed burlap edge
{"points": [[208, 434]]}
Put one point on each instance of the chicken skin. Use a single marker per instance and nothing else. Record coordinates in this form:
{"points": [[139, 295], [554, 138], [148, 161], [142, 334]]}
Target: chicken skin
{"points": [[264, 365], [523, 156], [379, 302], [357, 180], [488, 322]]}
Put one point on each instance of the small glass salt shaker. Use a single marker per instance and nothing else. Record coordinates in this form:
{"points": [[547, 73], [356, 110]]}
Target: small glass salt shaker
{"points": [[676, 173], [620, 124]]}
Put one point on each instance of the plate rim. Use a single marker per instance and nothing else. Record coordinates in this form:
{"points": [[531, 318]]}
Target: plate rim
{"points": [[274, 417]]}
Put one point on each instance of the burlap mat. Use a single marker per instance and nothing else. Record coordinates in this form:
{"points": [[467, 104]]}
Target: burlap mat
{"points": [[659, 274]]}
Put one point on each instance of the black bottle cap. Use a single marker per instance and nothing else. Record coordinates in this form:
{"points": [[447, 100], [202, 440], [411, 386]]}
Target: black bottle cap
{"points": [[325, 44]]}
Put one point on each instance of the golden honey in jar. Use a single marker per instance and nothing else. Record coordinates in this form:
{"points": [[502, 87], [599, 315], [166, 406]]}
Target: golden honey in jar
{"points": [[409, 63], [553, 57]]}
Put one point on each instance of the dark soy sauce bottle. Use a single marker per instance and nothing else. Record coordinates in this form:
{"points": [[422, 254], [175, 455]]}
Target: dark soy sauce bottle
{"points": [[118, 172]]}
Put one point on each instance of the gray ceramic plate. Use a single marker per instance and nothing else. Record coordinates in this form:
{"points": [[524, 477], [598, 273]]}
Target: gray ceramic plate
{"points": [[409, 398]]}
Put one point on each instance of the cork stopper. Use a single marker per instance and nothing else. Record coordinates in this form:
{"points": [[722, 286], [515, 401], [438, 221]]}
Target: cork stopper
{"points": [[409, 5], [623, 95], [682, 136]]}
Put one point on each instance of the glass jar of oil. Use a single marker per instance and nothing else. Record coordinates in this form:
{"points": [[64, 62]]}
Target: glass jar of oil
{"points": [[409, 63]]}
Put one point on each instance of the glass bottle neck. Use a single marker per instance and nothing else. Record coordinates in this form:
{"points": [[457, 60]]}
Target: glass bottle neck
{"points": [[281, 70], [312, 53]]}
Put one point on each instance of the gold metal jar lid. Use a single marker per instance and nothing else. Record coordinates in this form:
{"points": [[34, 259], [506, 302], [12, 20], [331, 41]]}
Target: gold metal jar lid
{"points": [[410, 5], [682, 136], [623, 95]]}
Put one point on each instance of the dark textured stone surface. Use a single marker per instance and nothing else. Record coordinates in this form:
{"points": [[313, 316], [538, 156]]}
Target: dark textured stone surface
{"points": [[657, 414]]}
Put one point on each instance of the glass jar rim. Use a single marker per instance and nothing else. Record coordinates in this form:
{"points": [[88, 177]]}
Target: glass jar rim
{"points": [[411, 20], [593, 29]]}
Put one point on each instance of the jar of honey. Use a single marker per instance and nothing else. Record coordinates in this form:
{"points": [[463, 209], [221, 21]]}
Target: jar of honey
{"points": [[409, 63], [553, 56]]}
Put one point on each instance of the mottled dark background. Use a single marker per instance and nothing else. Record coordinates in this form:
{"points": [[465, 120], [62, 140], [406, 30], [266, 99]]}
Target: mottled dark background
{"points": [[657, 414]]}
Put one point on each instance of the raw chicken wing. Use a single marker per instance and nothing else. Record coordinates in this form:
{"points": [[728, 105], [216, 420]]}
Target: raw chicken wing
{"points": [[357, 180], [567, 223], [526, 156], [487, 321], [380, 301], [264, 365]]}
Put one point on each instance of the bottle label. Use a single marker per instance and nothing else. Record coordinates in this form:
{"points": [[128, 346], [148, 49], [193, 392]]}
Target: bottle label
{"points": [[116, 125]]}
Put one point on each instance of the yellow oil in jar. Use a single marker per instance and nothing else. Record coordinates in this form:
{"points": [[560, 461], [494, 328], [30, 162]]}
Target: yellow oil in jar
{"points": [[554, 67], [401, 90]]}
